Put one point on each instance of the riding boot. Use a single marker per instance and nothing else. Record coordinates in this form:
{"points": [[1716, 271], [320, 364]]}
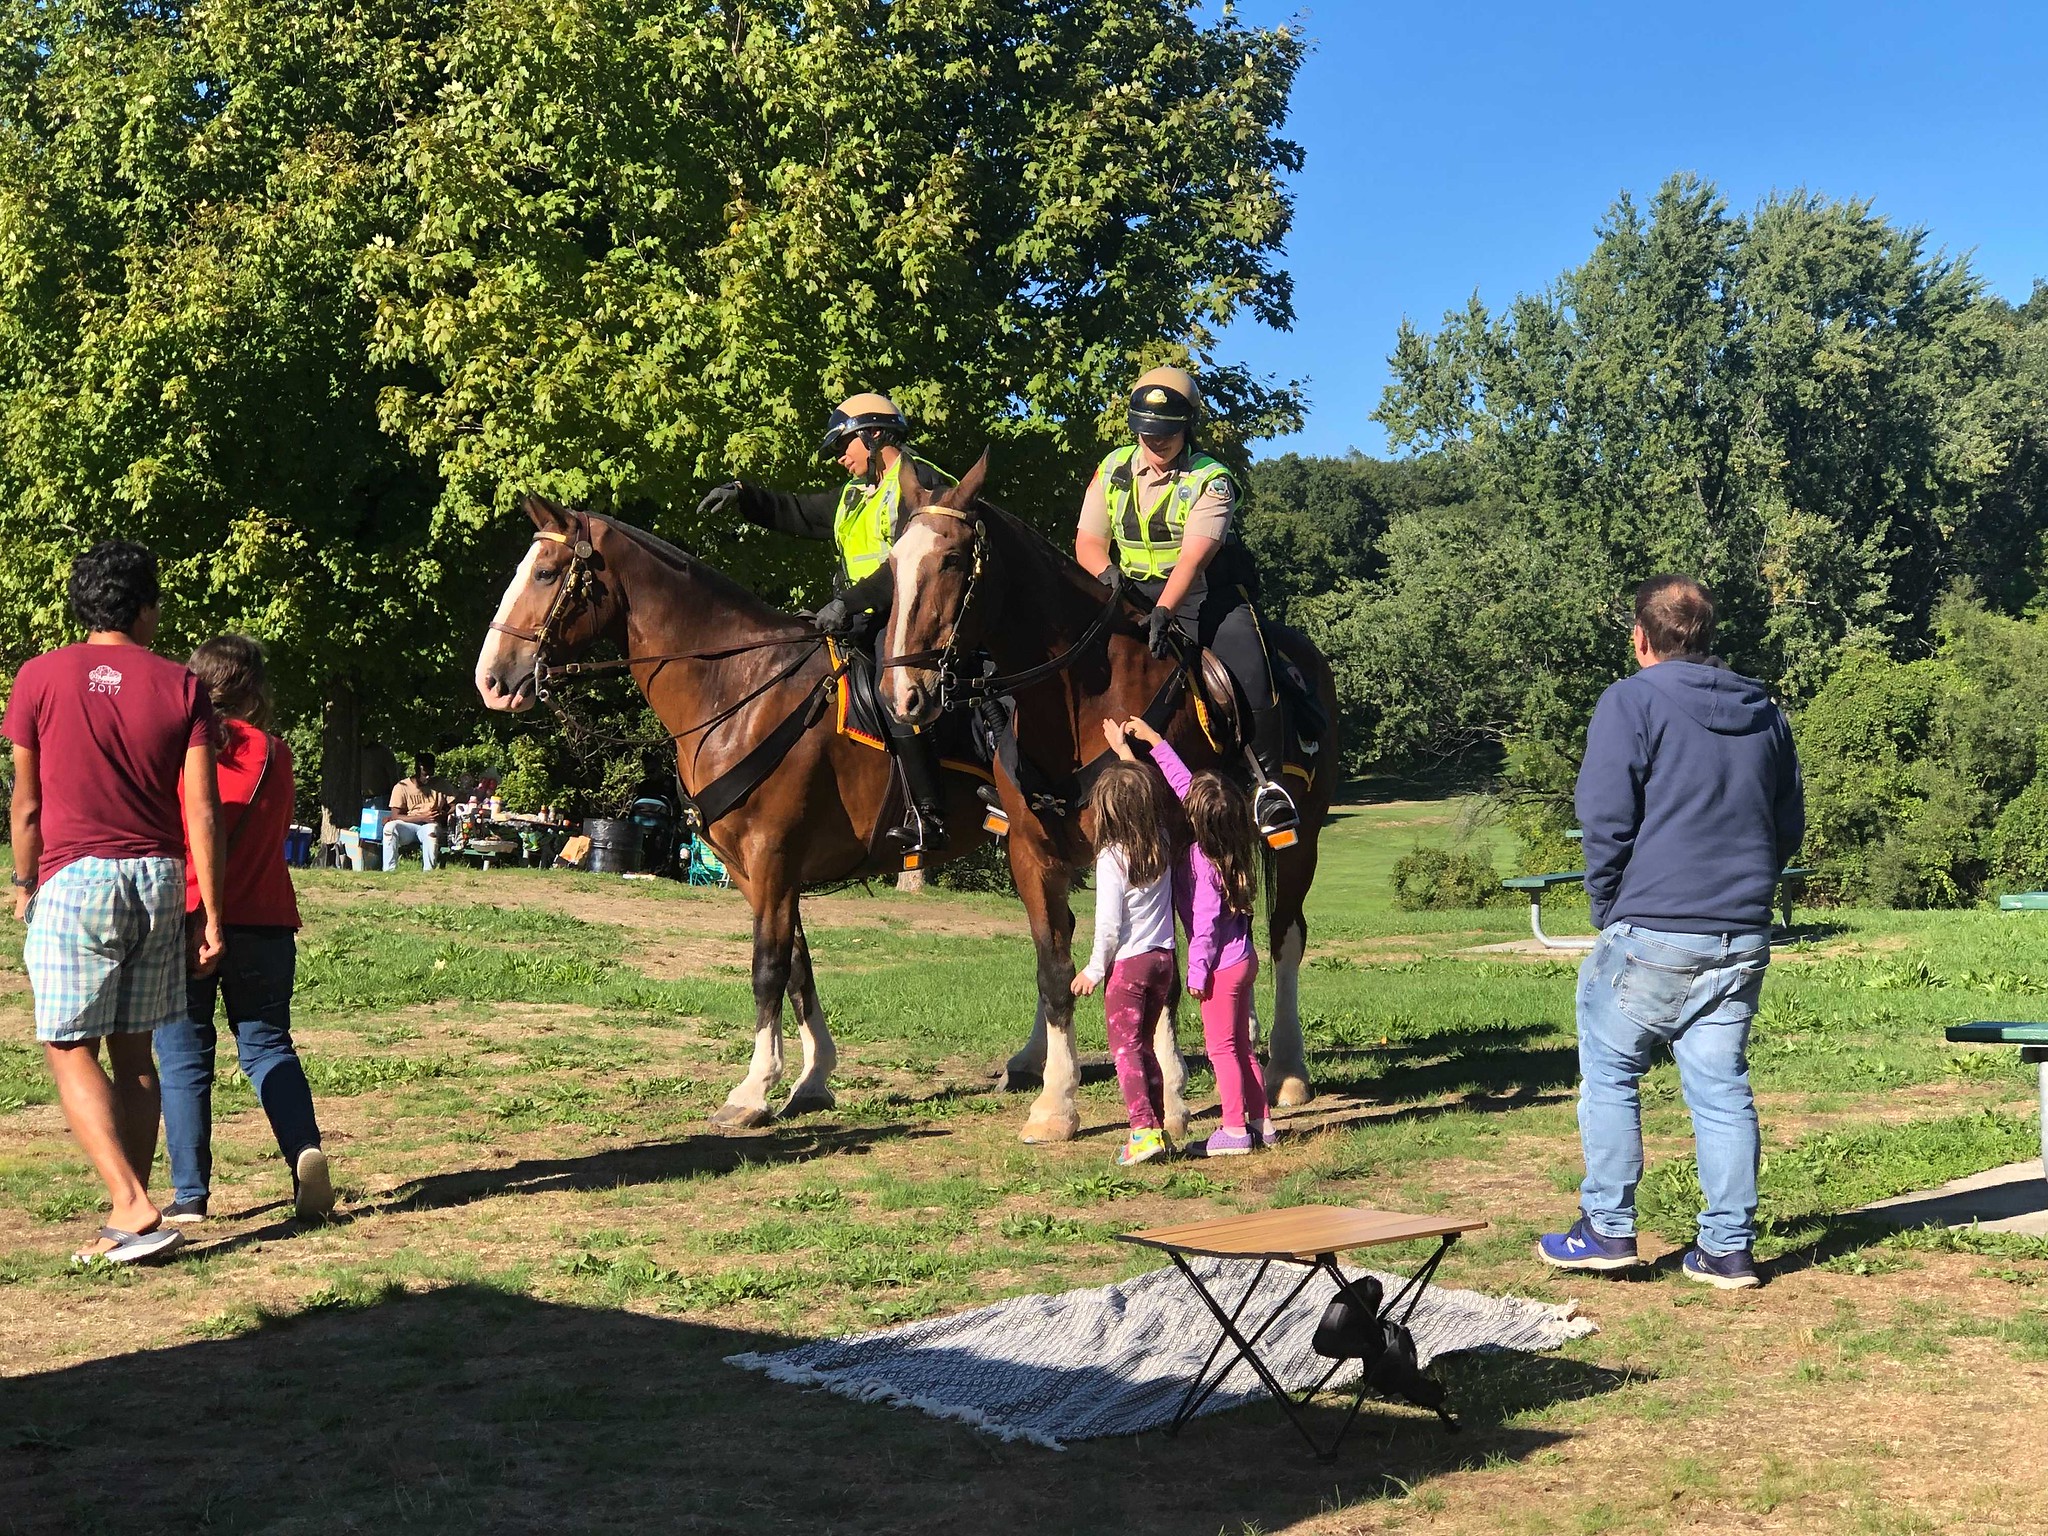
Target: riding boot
{"points": [[1272, 807], [924, 827]]}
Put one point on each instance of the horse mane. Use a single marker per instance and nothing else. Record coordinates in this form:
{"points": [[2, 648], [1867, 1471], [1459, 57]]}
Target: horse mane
{"points": [[715, 582], [1050, 555]]}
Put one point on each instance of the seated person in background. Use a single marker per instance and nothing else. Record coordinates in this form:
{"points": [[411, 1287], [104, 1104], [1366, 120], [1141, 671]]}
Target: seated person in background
{"points": [[419, 806]]}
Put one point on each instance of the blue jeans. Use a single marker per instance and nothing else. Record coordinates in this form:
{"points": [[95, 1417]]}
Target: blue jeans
{"points": [[254, 983], [1695, 992]]}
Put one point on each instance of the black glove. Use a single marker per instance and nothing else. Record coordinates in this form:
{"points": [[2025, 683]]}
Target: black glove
{"points": [[719, 498], [1157, 627], [834, 617], [1109, 575]]}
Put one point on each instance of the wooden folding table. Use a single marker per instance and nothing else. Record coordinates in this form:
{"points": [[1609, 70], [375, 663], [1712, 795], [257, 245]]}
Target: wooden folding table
{"points": [[1311, 1236]]}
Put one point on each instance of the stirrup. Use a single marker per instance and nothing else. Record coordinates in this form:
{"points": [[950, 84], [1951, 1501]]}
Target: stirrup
{"points": [[994, 819], [1274, 811], [920, 835]]}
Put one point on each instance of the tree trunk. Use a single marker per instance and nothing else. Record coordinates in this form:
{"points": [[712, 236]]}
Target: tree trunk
{"points": [[341, 760], [910, 881]]}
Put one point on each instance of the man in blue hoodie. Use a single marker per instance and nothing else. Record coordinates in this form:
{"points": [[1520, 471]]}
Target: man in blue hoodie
{"points": [[1691, 801]]}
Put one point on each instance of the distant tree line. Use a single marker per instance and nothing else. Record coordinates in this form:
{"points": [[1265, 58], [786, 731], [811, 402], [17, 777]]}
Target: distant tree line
{"points": [[1837, 428]]}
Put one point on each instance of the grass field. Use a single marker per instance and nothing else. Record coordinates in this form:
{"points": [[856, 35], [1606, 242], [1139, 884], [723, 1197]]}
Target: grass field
{"points": [[519, 1324]]}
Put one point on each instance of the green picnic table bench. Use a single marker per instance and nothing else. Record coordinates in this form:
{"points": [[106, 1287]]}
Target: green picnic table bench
{"points": [[2030, 1037], [2024, 901], [1791, 880]]}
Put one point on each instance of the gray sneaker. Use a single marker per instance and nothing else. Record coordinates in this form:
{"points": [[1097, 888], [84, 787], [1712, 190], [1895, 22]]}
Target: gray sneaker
{"points": [[314, 1192], [185, 1213]]}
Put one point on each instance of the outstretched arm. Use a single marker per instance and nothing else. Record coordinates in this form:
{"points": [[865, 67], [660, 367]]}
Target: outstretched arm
{"points": [[1163, 755], [806, 516]]}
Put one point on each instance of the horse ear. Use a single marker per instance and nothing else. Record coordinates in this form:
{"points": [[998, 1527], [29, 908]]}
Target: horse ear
{"points": [[962, 497], [547, 517], [909, 489]]}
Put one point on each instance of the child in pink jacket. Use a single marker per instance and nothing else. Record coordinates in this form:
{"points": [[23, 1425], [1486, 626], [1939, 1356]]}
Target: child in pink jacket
{"points": [[1214, 887]]}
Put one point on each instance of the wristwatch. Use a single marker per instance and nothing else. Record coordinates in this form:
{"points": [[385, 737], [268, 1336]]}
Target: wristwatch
{"points": [[22, 881]]}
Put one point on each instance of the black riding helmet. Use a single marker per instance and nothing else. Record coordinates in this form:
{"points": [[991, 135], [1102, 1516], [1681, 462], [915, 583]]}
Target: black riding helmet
{"points": [[859, 416], [1163, 402]]}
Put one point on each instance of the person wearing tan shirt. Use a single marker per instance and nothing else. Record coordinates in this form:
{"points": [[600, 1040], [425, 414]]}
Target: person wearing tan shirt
{"points": [[1162, 510], [419, 806]]}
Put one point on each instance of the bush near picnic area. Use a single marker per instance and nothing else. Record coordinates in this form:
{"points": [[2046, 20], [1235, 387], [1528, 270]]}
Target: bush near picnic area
{"points": [[1924, 779]]}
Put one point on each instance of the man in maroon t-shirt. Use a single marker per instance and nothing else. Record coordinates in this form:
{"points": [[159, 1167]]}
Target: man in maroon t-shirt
{"points": [[99, 871]]}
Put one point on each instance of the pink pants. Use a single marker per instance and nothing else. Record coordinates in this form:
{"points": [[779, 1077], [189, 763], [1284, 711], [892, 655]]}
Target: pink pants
{"points": [[1227, 1034], [1131, 999]]}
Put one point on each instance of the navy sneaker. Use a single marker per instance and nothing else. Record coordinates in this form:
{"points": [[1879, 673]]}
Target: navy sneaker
{"points": [[1723, 1271], [1583, 1248]]}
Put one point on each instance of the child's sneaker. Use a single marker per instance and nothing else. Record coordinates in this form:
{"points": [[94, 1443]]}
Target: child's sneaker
{"points": [[1268, 1135], [1142, 1147], [1228, 1143], [1724, 1271], [1583, 1248]]}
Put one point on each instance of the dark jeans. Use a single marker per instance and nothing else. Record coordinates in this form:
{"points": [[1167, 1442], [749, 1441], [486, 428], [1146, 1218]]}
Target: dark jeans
{"points": [[254, 985]]}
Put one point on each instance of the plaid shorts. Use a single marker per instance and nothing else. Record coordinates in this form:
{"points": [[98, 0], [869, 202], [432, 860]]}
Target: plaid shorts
{"points": [[106, 948]]}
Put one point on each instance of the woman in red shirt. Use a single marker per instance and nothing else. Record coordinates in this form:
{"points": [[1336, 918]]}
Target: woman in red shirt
{"points": [[260, 922]]}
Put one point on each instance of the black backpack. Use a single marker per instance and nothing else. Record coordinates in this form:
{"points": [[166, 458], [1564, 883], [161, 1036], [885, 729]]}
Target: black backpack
{"points": [[1352, 1329]]}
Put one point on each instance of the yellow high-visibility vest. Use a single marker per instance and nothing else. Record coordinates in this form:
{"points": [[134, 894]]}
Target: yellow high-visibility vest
{"points": [[1148, 538], [864, 526]]}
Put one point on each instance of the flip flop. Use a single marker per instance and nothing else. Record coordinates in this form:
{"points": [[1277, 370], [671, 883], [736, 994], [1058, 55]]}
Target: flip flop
{"points": [[131, 1247]]}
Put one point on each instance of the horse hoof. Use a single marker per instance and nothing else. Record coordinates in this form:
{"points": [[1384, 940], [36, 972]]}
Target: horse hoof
{"points": [[740, 1117], [1291, 1092], [811, 1102], [1177, 1126], [1045, 1132], [1021, 1080]]}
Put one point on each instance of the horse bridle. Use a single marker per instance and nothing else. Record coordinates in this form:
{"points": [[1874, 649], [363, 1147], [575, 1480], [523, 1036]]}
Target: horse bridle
{"points": [[945, 658], [957, 692], [574, 581]]}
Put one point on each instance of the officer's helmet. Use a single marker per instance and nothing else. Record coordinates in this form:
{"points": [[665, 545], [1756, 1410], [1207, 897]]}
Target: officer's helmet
{"points": [[860, 415], [1165, 401]]}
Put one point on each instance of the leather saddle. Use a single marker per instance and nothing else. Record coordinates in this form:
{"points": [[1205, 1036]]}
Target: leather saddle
{"points": [[1223, 714]]}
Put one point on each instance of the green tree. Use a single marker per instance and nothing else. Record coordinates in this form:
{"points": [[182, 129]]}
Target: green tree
{"points": [[304, 296]]}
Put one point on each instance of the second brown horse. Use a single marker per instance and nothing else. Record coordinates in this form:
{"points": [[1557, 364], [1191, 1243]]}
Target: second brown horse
{"points": [[973, 580]]}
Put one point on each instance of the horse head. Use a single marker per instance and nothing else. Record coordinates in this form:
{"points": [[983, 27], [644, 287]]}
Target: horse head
{"points": [[557, 606], [936, 559]]}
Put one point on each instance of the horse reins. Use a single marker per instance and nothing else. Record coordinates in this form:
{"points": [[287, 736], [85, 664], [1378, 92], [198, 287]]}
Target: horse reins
{"points": [[956, 692], [573, 586]]}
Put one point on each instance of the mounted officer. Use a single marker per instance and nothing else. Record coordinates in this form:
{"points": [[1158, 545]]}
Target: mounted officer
{"points": [[869, 437], [1167, 510]]}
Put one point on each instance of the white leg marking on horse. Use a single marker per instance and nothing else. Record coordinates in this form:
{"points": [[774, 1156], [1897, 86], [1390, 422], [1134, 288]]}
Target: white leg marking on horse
{"points": [[813, 1089], [1287, 1078], [762, 1075], [1173, 1073], [1054, 1115], [1030, 1061]]}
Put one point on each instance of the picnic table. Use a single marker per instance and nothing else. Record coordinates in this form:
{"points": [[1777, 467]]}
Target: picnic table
{"points": [[2030, 1037], [1311, 1236], [2024, 901], [1790, 880]]}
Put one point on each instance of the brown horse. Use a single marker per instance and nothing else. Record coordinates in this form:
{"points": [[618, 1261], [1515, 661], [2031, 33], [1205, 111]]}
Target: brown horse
{"points": [[973, 579], [723, 671]]}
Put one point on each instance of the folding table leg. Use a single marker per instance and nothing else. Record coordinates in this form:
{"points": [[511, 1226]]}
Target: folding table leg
{"points": [[1198, 1393]]}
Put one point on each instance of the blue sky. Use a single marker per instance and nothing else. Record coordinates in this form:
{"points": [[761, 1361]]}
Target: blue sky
{"points": [[1475, 146]]}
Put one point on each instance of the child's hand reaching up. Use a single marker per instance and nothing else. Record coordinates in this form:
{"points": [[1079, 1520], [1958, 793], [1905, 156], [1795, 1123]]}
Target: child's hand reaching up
{"points": [[1137, 728], [1083, 986], [1113, 733]]}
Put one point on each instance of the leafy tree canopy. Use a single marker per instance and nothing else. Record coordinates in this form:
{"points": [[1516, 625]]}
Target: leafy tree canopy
{"points": [[303, 296]]}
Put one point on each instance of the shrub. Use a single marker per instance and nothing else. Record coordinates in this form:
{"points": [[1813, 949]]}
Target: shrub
{"points": [[1441, 880], [2018, 846]]}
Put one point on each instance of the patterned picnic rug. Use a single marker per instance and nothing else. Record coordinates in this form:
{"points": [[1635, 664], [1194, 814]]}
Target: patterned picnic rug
{"points": [[1116, 1359]]}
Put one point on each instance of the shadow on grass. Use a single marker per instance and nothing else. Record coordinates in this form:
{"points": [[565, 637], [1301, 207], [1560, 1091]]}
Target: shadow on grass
{"points": [[470, 1408], [651, 1163], [1487, 1066]]}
